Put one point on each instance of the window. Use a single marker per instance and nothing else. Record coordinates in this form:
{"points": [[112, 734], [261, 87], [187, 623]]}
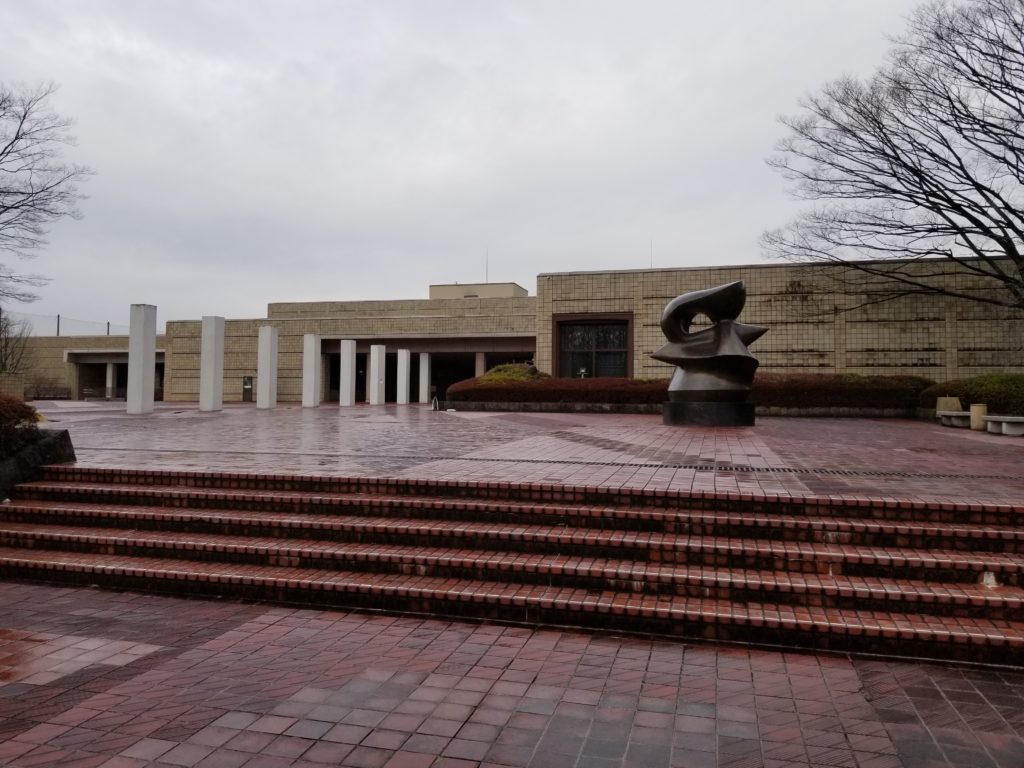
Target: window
{"points": [[597, 347]]}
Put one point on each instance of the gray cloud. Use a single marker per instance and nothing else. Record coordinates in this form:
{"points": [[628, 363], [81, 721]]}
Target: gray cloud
{"points": [[249, 152]]}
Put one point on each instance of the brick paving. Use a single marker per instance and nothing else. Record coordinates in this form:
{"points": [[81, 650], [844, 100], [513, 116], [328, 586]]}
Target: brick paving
{"points": [[99, 678], [201, 683]]}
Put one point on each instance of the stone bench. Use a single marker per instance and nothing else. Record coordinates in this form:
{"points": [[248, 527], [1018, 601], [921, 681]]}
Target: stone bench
{"points": [[955, 418], [1005, 425]]}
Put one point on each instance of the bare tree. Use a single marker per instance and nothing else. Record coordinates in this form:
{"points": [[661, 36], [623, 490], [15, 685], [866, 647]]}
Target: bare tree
{"points": [[918, 172], [36, 186], [14, 334]]}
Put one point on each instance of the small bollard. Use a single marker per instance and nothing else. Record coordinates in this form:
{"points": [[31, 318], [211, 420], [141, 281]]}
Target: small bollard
{"points": [[978, 414]]}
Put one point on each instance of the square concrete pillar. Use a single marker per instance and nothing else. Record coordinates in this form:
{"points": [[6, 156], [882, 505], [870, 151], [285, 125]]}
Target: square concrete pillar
{"points": [[424, 377], [311, 359], [211, 364], [141, 358], [266, 367], [347, 373], [111, 380], [404, 375], [481, 363], [376, 389]]}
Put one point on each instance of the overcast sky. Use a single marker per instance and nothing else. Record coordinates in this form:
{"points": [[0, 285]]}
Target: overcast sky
{"points": [[249, 151]]}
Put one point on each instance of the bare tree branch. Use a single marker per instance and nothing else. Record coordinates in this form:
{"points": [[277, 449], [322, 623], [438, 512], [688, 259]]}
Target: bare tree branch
{"points": [[13, 340], [922, 162], [36, 186]]}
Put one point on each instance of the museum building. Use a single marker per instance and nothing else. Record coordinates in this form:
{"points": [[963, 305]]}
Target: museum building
{"points": [[602, 323]]}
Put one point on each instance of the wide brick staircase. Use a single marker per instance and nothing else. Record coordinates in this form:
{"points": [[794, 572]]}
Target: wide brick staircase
{"points": [[943, 581]]}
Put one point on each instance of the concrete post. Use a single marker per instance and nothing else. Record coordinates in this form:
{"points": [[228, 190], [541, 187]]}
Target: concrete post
{"points": [[141, 358], [266, 367], [424, 377], [978, 413], [481, 363], [111, 380], [310, 370], [211, 364], [347, 373], [376, 390], [404, 374], [367, 386]]}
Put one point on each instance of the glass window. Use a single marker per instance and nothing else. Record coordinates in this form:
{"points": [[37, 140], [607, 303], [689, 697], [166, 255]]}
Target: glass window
{"points": [[587, 349]]}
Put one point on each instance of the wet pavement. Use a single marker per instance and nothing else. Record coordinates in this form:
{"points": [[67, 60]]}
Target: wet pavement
{"points": [[871, 458], [101, 678]]}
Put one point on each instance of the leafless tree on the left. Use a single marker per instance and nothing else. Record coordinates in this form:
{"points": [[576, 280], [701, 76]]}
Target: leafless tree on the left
{"points": [[14, 334], [37, 186]]}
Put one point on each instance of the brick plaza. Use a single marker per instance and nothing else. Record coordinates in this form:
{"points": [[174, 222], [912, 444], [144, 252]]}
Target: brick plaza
{"points": [[106, 678]]}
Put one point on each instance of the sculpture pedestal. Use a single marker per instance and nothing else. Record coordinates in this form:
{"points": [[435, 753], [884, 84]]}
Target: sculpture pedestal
{"points": [[708, 414]]}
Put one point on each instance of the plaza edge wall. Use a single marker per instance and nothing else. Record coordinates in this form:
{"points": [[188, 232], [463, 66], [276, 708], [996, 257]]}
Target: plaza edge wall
{"points": [[934, 336]]}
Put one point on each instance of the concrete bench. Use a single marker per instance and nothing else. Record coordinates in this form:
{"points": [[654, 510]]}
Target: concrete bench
{"points": [[1005, 425], [955, 418]]}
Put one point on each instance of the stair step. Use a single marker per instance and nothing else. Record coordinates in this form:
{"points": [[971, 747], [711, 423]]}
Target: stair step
{"points": [[990, 538], [759, 554], [946, 512], [846, 629], [589, 573]]}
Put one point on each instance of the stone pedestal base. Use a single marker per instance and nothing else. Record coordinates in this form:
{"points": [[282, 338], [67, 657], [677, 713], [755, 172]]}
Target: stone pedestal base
{"points": [[708, 414]]}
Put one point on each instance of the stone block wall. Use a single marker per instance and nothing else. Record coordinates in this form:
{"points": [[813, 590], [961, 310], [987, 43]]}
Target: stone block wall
{"points": [[813, 325], [46, 357], [12, 384], [429, 325]]}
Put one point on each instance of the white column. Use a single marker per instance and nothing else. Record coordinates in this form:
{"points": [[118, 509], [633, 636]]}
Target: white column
{"points": [[310, 370], [266, 367], [481, 363], [347, 373], [211, 364], [111, 380], [141, 358], [424, 377], [403, 372], [376, 390]]}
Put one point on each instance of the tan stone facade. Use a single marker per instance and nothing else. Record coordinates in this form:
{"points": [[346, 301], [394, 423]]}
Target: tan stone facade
{"points": [[812, 327], [931, 336], [495, 327], [75, 364]]}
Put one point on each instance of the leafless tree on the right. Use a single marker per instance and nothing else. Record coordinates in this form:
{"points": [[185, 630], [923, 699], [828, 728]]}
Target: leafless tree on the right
{"points": [[918, 172]]}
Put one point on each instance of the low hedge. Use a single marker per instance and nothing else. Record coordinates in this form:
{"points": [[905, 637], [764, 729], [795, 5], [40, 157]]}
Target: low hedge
{"points": [[838, 390], [770, 389], [1003, 393], [17, 425]]}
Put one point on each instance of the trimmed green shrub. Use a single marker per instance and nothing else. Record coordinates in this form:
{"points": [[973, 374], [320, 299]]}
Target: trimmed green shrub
{"points": [[1003, 393], [511, 372], [770, 389], [17, 425]]}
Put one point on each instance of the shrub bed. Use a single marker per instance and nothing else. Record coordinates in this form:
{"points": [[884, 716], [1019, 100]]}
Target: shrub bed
{"points": [[1003, 393], [17, 425], [770, 390]]}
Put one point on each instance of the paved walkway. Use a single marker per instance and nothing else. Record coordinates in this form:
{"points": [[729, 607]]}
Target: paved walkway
{"points": [[92, 678]]}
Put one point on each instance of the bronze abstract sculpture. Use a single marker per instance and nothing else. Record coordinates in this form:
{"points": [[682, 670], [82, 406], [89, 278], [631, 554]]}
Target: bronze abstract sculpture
{"points": [[715, 370]]}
